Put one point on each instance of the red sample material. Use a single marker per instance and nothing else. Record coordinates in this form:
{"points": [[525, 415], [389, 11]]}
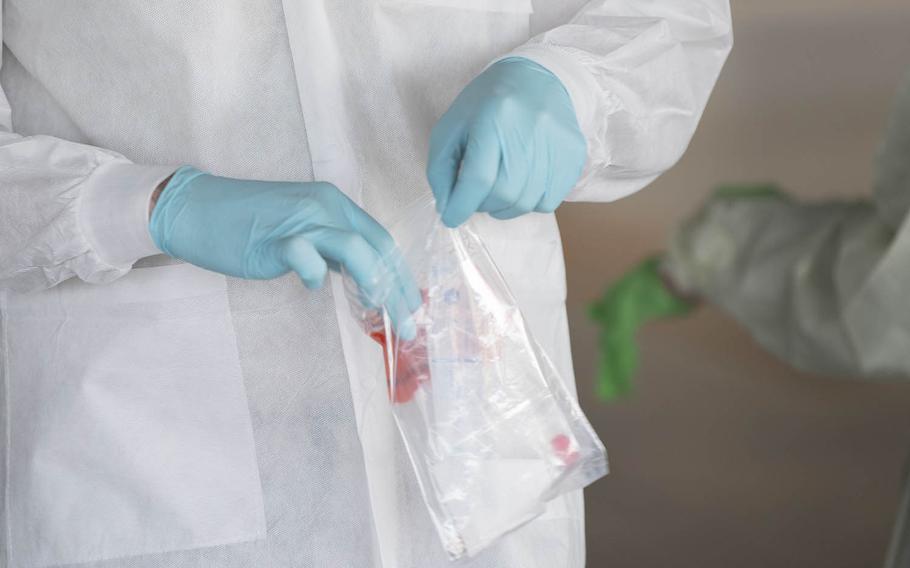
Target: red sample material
{"points": [[562, 447], [411, 366]]}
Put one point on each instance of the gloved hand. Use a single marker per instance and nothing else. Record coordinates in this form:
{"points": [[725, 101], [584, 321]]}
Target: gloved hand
{"points": [[509, 144], [263, 229], [639, 296]]}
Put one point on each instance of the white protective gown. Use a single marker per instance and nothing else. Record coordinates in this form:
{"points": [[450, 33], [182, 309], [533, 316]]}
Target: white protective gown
{"points": [[160, 415], [823, 286]]}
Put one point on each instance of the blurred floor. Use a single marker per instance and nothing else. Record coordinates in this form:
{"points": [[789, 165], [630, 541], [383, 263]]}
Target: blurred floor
{"points": [[724, 457]]}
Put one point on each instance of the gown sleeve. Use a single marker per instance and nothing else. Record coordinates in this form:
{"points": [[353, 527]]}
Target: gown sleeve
{"points": [[639, 73], [68, 209]]}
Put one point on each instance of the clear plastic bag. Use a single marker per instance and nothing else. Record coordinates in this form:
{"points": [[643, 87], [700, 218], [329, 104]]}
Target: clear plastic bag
{"points": [[489, 426]]}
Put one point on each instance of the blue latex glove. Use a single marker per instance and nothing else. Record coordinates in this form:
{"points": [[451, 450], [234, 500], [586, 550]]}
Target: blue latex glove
{"points": [[264, 229], [509, 144]]}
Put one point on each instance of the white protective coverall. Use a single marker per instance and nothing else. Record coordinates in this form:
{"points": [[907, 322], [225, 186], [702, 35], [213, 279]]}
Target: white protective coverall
{"points": [[160, 415], [823, 286]]}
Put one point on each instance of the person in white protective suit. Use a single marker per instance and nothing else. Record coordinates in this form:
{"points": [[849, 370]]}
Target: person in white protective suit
{"points": [[160, 414], [821, 285]]}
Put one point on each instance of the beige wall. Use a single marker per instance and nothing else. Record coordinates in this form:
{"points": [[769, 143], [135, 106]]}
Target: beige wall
{"points": [[724, 457]]}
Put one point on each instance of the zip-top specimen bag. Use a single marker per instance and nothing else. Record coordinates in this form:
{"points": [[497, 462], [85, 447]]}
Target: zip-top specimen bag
{"points": [[489, 426]]}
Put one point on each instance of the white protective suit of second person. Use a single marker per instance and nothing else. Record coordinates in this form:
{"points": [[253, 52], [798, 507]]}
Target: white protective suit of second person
{"points": [[821, 285], [161, 415]]}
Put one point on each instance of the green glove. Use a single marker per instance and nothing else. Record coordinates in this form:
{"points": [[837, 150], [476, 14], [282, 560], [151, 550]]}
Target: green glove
{"points": [[639, 296]]}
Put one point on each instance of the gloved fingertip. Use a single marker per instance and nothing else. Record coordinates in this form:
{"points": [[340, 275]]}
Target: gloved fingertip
{"points": [[313, 279], [610, 390], [313, 284], [452, 219], [503, 215], [596, 312], [614, 380], [414, 300], [440, 200], [407, 329]]}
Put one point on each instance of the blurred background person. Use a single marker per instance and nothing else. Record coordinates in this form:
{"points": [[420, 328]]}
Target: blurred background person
{"points": [[726, 456], [822, 285]]}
